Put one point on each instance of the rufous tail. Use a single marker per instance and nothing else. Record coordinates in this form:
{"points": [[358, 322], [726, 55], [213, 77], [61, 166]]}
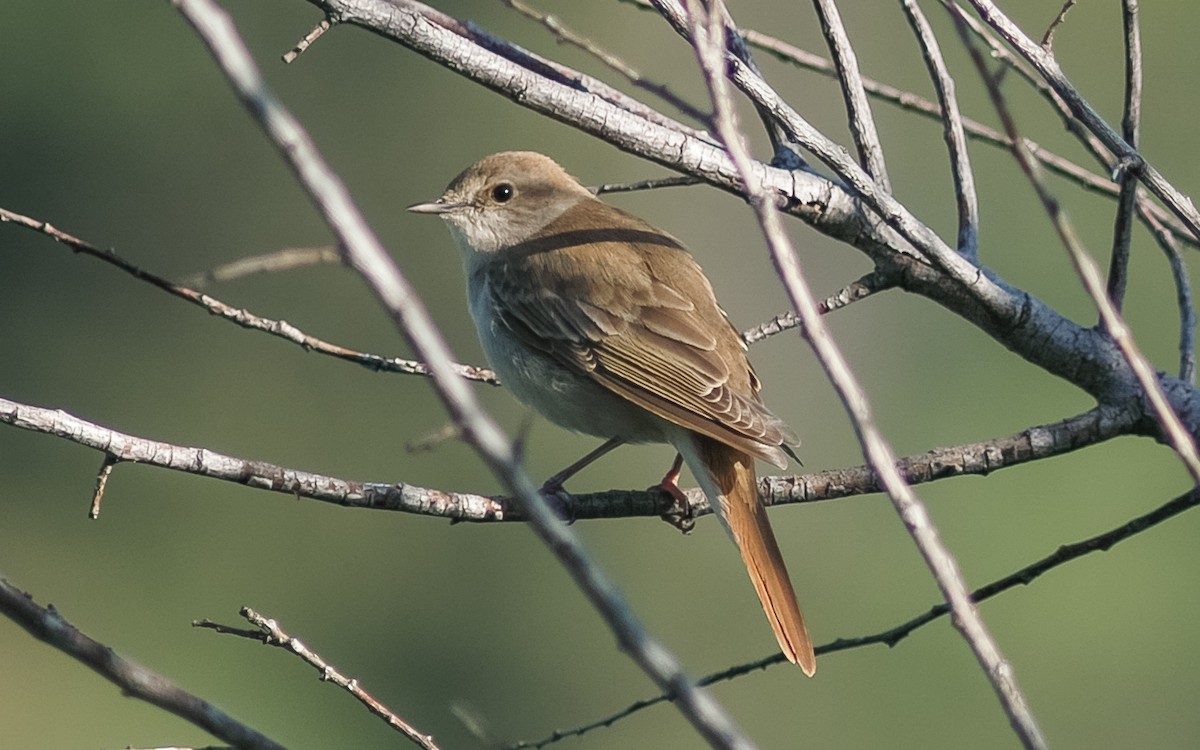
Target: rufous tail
{"points": [[733, 473]]}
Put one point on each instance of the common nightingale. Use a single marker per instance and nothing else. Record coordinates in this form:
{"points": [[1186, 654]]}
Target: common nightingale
{"points": [[607, 326]]}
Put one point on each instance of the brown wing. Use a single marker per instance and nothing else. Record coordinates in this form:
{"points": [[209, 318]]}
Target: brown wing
{"points": [[639, 318]]}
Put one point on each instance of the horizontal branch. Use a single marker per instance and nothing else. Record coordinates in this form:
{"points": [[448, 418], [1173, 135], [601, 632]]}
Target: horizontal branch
{"points": [[982, 458]]}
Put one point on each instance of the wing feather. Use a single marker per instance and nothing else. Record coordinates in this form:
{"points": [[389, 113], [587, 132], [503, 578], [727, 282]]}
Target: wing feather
{"points": [[652, 332]]}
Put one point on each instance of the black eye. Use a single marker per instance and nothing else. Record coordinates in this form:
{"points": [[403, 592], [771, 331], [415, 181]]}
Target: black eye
{"points": [[503, 192]]}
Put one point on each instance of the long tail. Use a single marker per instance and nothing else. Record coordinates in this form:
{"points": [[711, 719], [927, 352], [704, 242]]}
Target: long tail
{"points": [[727, 476]]}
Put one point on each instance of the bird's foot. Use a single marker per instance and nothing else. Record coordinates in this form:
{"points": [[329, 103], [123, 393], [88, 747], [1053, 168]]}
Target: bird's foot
{"points": [[559, 500], [679, 513]]}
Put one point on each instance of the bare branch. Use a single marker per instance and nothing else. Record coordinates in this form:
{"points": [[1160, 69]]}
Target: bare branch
{"points": [[952, 129], [101, 483], [1032, 444], [629, 187], [851, 293], [281, 260], [1177, 435], [364, 253], [1047, 66], [1183, 298], [862, 122], [268, 632], [1118, 269], [257, 474], [48, 626], [708, 32], [308, 39], [1048, 37], [567, 36], [892, 636], [244, 318]]}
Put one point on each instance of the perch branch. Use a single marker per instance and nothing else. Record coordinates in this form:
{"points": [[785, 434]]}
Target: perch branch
{"points": [[1032, 444]]}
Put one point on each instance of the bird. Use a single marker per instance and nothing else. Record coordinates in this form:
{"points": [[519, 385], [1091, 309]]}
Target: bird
{"points": [[607, 326]]}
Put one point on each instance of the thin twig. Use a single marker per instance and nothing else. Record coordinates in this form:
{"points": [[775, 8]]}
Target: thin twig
{"points": [[1063, 554], [1118, 269], [1048, 37], [911, 102], [566, 35], [878, 453], [952, 130], [1183, 299], [101, 483], [861, 120], [286, 259], [1047, 66], [853, 292], [312, 36], [269, 632], [661, 182], [244, 318], [48, 626], [1089, 275], [366, 255]]}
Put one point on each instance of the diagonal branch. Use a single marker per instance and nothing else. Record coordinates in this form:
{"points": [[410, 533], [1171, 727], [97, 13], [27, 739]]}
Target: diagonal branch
{"points": [[363, 252], [862, 122], [952, 128], [48, 626], [707, 33], [239, 316], [269, 632], [892, 636], [1114, 325], [1047, 66]]}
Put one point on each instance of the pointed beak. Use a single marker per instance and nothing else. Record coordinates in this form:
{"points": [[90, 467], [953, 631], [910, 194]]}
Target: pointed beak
{"points": [[439, 206]]}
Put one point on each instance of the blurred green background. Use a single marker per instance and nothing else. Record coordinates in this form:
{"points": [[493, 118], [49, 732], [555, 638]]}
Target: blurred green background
{"points": [[117, 127]]}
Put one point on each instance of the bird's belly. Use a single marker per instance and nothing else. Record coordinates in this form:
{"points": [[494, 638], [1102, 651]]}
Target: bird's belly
{"points": [[567, 398]]}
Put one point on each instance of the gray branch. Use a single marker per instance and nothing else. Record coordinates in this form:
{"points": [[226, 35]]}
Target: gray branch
{"points": [[47, 625]]}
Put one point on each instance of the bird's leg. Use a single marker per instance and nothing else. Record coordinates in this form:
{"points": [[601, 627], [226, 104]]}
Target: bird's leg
{"points": [[679, 514], [555, 483], [552, 488]]}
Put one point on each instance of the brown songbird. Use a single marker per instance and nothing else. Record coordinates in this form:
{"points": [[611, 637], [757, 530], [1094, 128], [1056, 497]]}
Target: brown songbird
{"points": [[607, 326]]}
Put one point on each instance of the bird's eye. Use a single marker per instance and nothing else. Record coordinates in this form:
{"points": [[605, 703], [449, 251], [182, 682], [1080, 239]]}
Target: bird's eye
{"points": [[503, 192]]}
